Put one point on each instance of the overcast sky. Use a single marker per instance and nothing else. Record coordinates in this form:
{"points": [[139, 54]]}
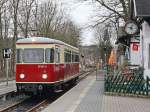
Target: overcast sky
{"points": [[81, 14]]}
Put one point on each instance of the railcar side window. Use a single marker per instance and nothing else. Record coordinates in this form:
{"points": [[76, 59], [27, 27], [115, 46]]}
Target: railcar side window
{"points": [[73, 57], [57, 51], [19, 55], [67, 56], [76, 58], [49, 55], [33, 55]]}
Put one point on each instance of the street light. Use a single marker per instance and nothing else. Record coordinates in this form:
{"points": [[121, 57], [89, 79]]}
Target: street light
{"points": [[105, 52]]}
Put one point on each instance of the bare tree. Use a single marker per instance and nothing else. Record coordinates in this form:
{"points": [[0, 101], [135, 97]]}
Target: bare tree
{"points": [[116, 9], [73, 34], [25, 9], [109, 11], [69, 33], [45, 15], [15, 5], [35, 18], [52, 22], [2, 20], [103, 40]]}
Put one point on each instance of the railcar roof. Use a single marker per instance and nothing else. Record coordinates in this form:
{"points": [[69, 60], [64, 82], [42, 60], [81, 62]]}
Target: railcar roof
{"points": [[42, 40], [39, 40]]}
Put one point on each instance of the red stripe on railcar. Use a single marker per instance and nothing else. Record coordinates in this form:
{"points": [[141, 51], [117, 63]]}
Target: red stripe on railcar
{"points": [[55, 72], [71, 69], [33, 72]]}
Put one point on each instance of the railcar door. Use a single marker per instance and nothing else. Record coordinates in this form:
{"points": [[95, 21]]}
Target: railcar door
{"points": [[57, 63]]}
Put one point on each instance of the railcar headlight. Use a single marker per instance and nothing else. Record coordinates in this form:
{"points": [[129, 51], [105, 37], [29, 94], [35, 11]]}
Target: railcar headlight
{"points": [[22, 76], [44, 76]]}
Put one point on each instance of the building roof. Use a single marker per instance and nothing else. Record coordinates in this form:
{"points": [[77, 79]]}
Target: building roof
{"points": [[142, 8]]}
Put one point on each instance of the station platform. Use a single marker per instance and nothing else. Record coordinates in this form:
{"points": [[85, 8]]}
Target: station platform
{"points": [[4, 88], [88, 96]]}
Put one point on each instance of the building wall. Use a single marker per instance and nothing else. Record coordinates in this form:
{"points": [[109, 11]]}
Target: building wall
{"points": [[135, 55], [135, 51], [146, 49]]}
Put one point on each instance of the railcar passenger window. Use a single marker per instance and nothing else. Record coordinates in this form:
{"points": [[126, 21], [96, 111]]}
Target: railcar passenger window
{"points": [[57, 55], [76, 58], [19, 55], [67, 56], [49, 55], [73, 57]]}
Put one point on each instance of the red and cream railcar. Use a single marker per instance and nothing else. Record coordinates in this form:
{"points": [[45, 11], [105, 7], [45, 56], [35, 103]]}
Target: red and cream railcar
{"points": [[43, 64]]}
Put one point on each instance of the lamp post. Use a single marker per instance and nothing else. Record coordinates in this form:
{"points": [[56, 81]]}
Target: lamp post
{"points": [[105, 60], [105, 54]]}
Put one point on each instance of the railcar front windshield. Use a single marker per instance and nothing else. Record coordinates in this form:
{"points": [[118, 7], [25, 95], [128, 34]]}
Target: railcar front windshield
{"points": [[33, 55]]}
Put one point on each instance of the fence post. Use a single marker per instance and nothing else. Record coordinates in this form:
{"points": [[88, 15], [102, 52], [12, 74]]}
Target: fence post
{"points": [[147, 84]]}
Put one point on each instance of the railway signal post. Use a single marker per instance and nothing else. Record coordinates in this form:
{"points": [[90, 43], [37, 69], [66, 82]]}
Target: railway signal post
{"points": [[6, 56]]}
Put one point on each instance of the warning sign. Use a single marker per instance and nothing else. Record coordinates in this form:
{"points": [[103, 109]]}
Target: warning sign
{"points": [[135, 47]]}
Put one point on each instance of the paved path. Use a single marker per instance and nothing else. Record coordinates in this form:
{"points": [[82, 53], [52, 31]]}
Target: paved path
{"points": [[85, 97], [125, 104], [92, 101]]}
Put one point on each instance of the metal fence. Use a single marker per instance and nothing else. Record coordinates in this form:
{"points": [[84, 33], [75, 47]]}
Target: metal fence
{"points": [[131, 83]]}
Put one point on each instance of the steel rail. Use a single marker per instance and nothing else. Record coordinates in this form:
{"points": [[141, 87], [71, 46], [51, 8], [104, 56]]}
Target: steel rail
{"points": [[36, 107], [12, 106]]}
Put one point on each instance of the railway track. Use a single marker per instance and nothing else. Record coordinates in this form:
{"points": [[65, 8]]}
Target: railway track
{"points": [[11, 106], [39, 106], [28, 105], [36, 104], [82, 76]]}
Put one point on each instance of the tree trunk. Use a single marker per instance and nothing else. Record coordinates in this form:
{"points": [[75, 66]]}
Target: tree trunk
{"points": [[1, 46], [15, 4]]}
